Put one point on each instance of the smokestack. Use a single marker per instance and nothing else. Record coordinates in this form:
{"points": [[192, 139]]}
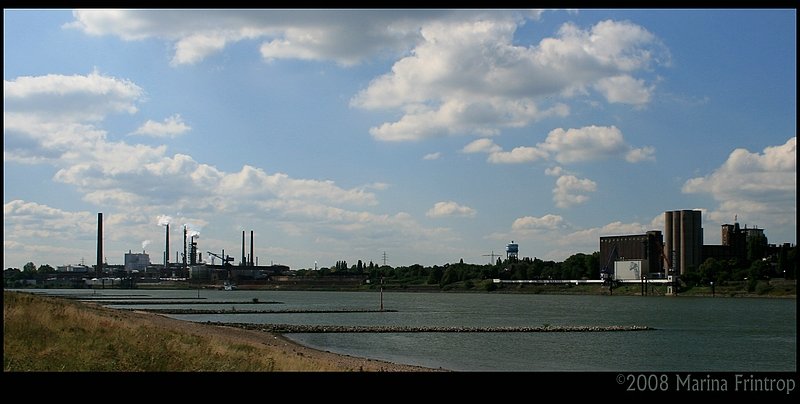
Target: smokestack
{"points": [[184, 246], [244, 262], [166, 250], [99, 244], [251, 248]]}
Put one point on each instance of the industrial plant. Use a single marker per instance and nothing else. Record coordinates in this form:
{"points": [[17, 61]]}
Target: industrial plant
{"points": [[188, 266], [679, 248]]}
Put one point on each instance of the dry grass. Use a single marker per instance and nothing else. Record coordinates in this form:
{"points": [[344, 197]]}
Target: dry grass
{"points": [[53, 334]]}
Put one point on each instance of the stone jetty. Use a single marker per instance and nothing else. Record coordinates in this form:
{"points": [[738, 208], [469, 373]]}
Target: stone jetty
{"points": [[249, 311], [296, 328]]}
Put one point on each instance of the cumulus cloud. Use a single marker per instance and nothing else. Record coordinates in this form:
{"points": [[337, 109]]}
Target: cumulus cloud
{"points": [[591, 143], [462, 71], [171, 127], [450, 208], [432, 156], [125, 175], [764, 185], [566, 146], [570, 190], [28, 218], [625, 89], [590, 237], [468, 76], [481, 146], [529, 223], [70, 98], [54, 117], [554, 171], [522, 154], [344, 36]]}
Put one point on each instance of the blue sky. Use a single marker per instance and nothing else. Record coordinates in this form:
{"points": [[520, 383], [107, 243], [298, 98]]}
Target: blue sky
{"points": [[430, 135]]}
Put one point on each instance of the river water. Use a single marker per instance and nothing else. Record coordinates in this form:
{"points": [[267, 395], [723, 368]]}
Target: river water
{"points": [[692, 334]]}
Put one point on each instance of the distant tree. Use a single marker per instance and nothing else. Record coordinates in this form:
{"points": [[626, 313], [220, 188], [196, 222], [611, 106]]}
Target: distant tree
{"points": [[29, 267], [435, 275], [450, 276], [791, 267], [46, 269], [710, 270]]}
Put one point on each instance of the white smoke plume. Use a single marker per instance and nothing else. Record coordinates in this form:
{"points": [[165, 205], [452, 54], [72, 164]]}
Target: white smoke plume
{"points": [[164, 220], [145, 243], [192, 230]]}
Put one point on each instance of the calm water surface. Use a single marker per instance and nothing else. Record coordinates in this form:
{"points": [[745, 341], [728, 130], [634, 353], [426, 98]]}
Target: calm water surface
{"points": [[693, 334]]}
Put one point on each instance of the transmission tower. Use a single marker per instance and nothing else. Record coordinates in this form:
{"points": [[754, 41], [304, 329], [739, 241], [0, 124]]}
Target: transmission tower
{"points": [[384, 258], [492, 255]]}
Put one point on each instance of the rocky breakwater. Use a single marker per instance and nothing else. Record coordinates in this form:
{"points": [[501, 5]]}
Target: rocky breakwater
{"points": [[295, 328]]}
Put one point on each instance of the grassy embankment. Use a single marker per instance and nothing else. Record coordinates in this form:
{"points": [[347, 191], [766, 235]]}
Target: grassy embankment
{"points": [[52, 334]]}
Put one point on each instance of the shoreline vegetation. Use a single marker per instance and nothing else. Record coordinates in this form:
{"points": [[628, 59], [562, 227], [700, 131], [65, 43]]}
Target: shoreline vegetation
{"points": [[52, 334]]}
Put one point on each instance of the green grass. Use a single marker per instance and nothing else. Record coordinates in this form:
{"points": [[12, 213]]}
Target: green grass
{"points": [[52, 334]]}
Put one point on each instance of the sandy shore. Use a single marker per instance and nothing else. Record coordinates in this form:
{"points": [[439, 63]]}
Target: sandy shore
{"points": [[282, 346]]}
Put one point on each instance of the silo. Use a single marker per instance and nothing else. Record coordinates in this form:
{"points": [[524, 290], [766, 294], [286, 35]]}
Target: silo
{"points": [[692, 241], [668, 234]]}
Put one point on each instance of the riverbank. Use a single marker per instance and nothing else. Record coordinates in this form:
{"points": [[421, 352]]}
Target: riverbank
{"points": [[54, 334]]}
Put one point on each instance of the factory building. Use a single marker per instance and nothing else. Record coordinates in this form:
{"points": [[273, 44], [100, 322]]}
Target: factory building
{"points": [[73, 268], [639, 254], [136, 261], [735, 241]]}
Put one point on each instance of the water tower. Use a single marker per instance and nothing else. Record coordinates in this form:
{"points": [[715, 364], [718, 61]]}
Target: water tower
{"points": [[512, 250]]}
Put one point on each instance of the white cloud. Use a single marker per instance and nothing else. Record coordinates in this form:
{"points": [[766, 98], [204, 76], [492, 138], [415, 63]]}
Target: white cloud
{"points": [[761, 185], [566, 146], [522, 154], [450, 208], [481, 146], [468, 76], [643, 154], [591, 143], [625, 89], [589, 239], [26, 218], [463, 72], [53, 117], [432, 156], [569, 190], [345, 36], [554, 171], [172, 127], [73, 98], [529, 223]]}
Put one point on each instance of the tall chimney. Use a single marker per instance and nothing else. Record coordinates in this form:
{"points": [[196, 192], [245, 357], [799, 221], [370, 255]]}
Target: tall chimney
{"points": [[244, 261], [251, 248], [99, 268], [184, 246], [166, 250]]}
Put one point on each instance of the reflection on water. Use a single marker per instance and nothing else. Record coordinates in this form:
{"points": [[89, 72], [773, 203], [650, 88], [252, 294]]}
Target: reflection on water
{"points": [[693, 334]]}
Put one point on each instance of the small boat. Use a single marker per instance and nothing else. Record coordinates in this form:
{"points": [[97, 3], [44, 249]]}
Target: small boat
{"points": [[228, 286]]}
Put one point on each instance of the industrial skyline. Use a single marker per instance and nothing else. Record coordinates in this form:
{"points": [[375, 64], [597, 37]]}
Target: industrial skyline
{"points": [[429, 136]]}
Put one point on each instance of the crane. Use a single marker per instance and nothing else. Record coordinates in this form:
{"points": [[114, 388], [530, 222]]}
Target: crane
{"points": [[226, 259], [606, 273]]}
